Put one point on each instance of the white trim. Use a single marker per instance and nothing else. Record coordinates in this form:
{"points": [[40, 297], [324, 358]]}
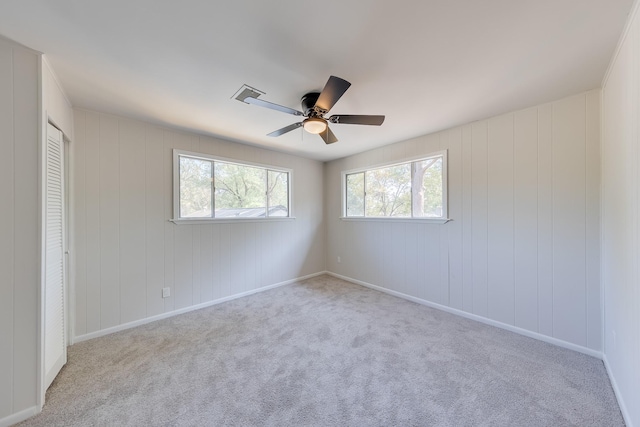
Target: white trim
{"points": [[621, 40], [445, 187], [616, 391], [238, 162], [396, 219], [212, 158], [397, 162], [511, 328], [19, 416], [146, 320], [196, 221]]}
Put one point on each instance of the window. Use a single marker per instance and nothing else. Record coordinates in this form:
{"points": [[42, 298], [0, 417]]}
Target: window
{"points": [[213, 188], [415, 189]]}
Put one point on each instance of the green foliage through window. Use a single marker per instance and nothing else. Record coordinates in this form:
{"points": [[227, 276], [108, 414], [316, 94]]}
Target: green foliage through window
{"points": [[414, 189], [239, 187], [195, 187], [217, 189]]}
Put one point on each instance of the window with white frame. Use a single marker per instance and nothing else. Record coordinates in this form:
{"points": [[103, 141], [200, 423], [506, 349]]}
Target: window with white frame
{"points": [[207, 187], [413, 189]]}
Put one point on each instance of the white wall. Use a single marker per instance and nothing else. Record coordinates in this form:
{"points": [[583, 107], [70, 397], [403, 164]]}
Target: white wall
{"points": [[126, 250], [57, 108], [523, 246], [621, 221], [19, 240]]}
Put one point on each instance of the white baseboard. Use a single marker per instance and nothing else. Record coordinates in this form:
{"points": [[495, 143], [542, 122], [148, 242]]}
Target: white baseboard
{"points": [[146, 320], [19, 416], [475, 317], [616, 390]]}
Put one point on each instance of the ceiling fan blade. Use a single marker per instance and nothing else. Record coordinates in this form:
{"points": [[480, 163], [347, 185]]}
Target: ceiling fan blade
{"points": [[328, 136], [356, 119], [272, 106], [285, 129], [333, 90]]}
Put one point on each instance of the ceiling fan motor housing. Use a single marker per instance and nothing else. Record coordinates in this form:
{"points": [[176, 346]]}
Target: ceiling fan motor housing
{"points": [[308, 102]]}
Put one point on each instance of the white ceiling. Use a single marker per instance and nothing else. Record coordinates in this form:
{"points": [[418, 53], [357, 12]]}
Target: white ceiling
{"points": [[427, 65]]}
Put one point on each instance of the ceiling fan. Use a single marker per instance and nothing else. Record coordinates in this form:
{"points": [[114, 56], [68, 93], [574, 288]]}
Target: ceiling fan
{"points": [[314, 107]]}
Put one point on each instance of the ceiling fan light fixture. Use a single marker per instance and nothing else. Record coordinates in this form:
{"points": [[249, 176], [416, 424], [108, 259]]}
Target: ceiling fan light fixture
{"points": [[315, 125]]}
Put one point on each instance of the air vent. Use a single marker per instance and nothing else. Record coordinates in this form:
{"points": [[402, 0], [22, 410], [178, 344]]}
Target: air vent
{"points": [[247, 91]]}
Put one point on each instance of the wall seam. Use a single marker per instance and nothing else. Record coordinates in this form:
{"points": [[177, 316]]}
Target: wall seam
{"points": [[13, 200], [119, 223], [461, 253], [586, 213], [553, 323], [538, 219], [146, 226], [473, 240], [602, 224], [84, 208], [513, 210], [99, 116]]}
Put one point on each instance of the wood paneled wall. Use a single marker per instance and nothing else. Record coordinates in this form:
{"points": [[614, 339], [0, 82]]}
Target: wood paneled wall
{"points": [[522, 248], [621, 221], [126, 250], [19, 240]]}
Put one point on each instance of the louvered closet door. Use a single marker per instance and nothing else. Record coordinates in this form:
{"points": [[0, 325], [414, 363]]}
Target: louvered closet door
{"points": [[55, 350]]}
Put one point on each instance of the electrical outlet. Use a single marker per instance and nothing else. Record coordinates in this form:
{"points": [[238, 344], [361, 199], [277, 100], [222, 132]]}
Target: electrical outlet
{"points": [[339, 260], [166, 292]]}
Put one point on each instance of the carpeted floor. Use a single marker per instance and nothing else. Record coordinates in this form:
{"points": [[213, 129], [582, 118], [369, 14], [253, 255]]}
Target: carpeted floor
{"points": [[325, 352]]}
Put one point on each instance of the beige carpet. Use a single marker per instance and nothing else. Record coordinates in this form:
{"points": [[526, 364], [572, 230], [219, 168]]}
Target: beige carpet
{"points": [[325, 352]]}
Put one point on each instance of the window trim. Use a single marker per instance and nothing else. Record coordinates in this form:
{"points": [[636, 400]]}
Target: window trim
{"points": [[212, 158], [445, 185]]}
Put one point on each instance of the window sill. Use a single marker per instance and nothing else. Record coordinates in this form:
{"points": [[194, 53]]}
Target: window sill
{"points": [[408, 220], [200, 221]]}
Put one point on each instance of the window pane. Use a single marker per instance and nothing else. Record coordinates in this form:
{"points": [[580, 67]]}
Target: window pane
{"points": [[427, 188], [278, 193], [240, 191], [355, 194], [388, 191], [195, 188]]}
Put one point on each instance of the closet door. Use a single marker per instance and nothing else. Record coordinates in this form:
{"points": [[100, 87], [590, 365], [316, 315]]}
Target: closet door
{"points": [[55, 350]]}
